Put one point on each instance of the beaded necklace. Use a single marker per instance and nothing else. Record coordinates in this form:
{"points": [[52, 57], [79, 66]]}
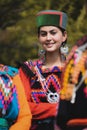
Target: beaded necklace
{"points": [[51, 97]]}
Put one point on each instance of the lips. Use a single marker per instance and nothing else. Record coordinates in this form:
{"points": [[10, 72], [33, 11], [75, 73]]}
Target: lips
{"points": [[49, 44]]}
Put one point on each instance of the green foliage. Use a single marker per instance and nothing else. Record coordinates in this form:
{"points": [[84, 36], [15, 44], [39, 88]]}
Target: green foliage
{"points": [[18, 31]]}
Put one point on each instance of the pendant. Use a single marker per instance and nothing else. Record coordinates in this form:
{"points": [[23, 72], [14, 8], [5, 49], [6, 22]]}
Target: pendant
{"points": [[53, 97], [64, 50], [3, 111]]}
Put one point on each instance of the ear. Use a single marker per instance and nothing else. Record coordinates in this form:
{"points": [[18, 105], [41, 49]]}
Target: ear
{"points": [[64, 36]]}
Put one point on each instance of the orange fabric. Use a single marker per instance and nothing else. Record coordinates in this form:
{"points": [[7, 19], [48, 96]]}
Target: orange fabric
{"points": [[41, 110], [24, 117], [25, 82], [77, 122]]}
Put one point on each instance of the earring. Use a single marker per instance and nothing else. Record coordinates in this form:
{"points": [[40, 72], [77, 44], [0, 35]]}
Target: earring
{"points": [[64, 49], [41, 55]]}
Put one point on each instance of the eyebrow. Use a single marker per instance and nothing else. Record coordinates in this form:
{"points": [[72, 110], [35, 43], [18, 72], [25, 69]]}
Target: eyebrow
{"points": [[48, 31]]}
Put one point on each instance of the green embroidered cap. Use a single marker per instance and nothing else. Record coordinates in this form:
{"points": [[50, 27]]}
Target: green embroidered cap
{"points": [[52, 18]]}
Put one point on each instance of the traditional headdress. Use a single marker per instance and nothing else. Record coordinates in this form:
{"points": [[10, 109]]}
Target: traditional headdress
{"points": [[52, 18]]}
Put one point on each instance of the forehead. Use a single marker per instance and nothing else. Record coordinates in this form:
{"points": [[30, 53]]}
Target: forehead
{"points": [[48, 28]]}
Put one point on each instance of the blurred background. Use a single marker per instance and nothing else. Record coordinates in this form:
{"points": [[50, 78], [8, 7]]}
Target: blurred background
{"points": [[18, 31]]}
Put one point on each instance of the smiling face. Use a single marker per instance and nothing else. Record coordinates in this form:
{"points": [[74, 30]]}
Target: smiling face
{"points": [[51, 38]]}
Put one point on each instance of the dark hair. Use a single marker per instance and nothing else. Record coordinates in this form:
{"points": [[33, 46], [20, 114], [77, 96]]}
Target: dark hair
{"points": [[62, 30]]}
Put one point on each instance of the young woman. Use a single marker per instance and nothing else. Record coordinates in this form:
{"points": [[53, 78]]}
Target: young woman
{"points": [[42, 78], [14, 110]]}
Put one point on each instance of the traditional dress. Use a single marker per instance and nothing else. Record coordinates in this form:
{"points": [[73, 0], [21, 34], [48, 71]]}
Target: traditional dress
{"points": [[42, 88], [14, 110], [75, 86], [43, 85]]}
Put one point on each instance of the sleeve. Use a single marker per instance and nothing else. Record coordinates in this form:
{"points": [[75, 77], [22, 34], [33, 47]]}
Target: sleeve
{"points": [[41, 110], [24, 118]]}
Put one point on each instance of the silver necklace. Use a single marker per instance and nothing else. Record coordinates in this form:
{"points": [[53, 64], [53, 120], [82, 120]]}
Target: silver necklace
{"points": [[51, 97]]}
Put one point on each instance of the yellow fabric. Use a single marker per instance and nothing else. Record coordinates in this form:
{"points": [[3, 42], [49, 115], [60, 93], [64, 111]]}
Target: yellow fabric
{"points": [[24, 118]]}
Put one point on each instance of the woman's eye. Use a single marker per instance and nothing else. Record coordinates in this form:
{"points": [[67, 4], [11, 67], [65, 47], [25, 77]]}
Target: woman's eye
{"points": [[53, 32], [43, 34]]}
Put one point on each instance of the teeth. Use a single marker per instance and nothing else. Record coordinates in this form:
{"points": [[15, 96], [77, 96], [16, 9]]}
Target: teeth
{"points": [[49, 43]]}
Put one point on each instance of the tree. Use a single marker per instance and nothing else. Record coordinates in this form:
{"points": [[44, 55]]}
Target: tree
{"points": [[18, 31]]}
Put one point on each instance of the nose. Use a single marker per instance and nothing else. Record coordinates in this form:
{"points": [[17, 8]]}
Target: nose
{"points": [[48, 36]]}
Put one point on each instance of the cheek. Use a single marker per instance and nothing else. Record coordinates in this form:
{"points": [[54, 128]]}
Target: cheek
{"points": [[58, 39], [41, 40]]}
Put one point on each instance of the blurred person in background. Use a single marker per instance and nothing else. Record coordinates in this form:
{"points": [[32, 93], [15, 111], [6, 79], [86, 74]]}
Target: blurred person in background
{"points": [[73, 112], [15, 113]]}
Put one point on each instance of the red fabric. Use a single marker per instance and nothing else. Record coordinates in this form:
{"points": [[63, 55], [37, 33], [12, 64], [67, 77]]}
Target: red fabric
{"points": [[41, 110]]}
